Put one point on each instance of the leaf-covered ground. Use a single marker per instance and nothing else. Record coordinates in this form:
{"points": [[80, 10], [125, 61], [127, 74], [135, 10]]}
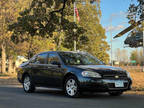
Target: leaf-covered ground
{"points": [[137, 77]]}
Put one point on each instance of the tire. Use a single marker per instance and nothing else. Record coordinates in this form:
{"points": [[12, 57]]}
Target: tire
{"points": [[71, 87], [115, 93], [28, 84]]}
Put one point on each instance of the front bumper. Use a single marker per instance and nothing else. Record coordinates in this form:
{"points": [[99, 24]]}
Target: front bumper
{"points": [[104, 85]]}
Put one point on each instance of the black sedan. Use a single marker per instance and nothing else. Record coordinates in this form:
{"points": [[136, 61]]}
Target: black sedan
{"points": [[74, 72]]}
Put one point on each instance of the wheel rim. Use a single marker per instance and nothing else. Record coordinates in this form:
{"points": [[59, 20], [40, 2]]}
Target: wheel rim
{"points": [[71, 87], [27, 83]]}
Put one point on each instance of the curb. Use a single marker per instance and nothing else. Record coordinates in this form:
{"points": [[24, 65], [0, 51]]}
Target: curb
{"points": [[8, 81]]}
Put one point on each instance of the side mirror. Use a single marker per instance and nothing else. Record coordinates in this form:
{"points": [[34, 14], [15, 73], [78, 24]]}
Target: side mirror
{"points": [[37, 62]]}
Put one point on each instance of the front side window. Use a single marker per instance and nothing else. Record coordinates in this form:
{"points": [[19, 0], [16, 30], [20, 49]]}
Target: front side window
{"points": [[72, 58], [53, 59]]}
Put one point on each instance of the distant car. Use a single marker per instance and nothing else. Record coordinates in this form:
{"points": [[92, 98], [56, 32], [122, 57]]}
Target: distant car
{"points": [[20, 60], [74, 72]]}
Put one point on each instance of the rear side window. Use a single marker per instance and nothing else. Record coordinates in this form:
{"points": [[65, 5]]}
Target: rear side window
{"points": [[53, 58], [41, 58]]}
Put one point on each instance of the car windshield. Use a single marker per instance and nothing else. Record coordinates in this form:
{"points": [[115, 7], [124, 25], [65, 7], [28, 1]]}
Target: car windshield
{"points": [[74, 58]]}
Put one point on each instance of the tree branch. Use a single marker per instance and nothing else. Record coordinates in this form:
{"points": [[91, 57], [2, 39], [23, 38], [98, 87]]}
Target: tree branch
{"points": [[61, 9]]}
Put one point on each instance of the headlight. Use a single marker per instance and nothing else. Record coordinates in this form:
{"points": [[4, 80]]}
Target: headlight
{"points": [[91, 74]]}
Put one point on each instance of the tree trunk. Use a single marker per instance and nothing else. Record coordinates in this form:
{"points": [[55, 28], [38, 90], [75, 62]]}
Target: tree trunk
{"points": [[0, 66], [14, 69], [3, 61], [10, 65]]}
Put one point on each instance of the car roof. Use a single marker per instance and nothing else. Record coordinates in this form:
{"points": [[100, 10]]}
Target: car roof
{"points": [[59, 51]]}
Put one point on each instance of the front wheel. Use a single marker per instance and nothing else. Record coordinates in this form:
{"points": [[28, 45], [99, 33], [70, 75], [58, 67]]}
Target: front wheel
{"points": [[115, 93], [71, 87], [28, 84]]}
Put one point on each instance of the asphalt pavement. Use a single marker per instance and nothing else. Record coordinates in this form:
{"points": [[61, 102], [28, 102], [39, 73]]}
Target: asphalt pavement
{"points": [[14, 97]]}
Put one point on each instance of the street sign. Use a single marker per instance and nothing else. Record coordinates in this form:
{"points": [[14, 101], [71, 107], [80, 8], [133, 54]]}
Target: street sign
{"points": [[133, 61]]}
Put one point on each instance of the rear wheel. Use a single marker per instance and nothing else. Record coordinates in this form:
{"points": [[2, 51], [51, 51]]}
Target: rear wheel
{"points": [[28, 84], [115, 93], [71, 87]]}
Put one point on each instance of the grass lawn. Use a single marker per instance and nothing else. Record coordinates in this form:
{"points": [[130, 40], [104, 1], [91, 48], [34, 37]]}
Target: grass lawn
{"points": [[137, 77], [8, 75], [2, 75], [138, 80]]}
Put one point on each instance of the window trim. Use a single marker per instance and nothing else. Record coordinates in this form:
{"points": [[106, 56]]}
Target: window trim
{"points": [[34, 57]]}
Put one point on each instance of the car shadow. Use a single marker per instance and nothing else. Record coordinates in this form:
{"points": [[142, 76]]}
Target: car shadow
{"points": [[85, 95], [52, 92]]}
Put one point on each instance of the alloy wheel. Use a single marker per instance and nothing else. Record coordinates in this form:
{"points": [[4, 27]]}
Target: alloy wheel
{"points": [[71, 87], [27, 83]]}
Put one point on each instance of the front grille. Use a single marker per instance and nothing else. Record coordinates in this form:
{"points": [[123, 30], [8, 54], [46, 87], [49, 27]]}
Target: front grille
{"points": [[114, 76], [111, 74]]}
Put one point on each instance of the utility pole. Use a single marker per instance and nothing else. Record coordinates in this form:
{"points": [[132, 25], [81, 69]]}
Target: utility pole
{"points": [[143, 47], [74, 30], [59, 38], [143, 38], [111, 49], [111, 42]]}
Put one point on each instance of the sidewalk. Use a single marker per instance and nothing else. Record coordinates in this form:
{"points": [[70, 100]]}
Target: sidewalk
{"points": [[8, 81]]}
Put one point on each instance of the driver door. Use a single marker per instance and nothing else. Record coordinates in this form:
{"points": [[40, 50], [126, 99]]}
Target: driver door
{"points": [[38, 68], [54, 67]]}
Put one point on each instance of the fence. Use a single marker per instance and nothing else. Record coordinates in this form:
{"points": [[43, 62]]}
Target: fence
{"points": [[133, 68]]}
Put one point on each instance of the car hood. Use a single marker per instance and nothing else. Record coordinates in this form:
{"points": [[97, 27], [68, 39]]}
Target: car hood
{"points": [[98, 67], [102, 69]]}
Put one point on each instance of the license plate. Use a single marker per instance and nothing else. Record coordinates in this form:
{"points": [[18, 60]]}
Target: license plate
{"points": [[119, 84]]}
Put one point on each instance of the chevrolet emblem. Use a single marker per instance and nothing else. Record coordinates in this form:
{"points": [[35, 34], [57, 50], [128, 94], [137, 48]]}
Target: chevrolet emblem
{"points": [[116, 76]]}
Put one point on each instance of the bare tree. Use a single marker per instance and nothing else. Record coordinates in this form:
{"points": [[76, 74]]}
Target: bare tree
{"points": [[121, 55], [117, 54]]}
